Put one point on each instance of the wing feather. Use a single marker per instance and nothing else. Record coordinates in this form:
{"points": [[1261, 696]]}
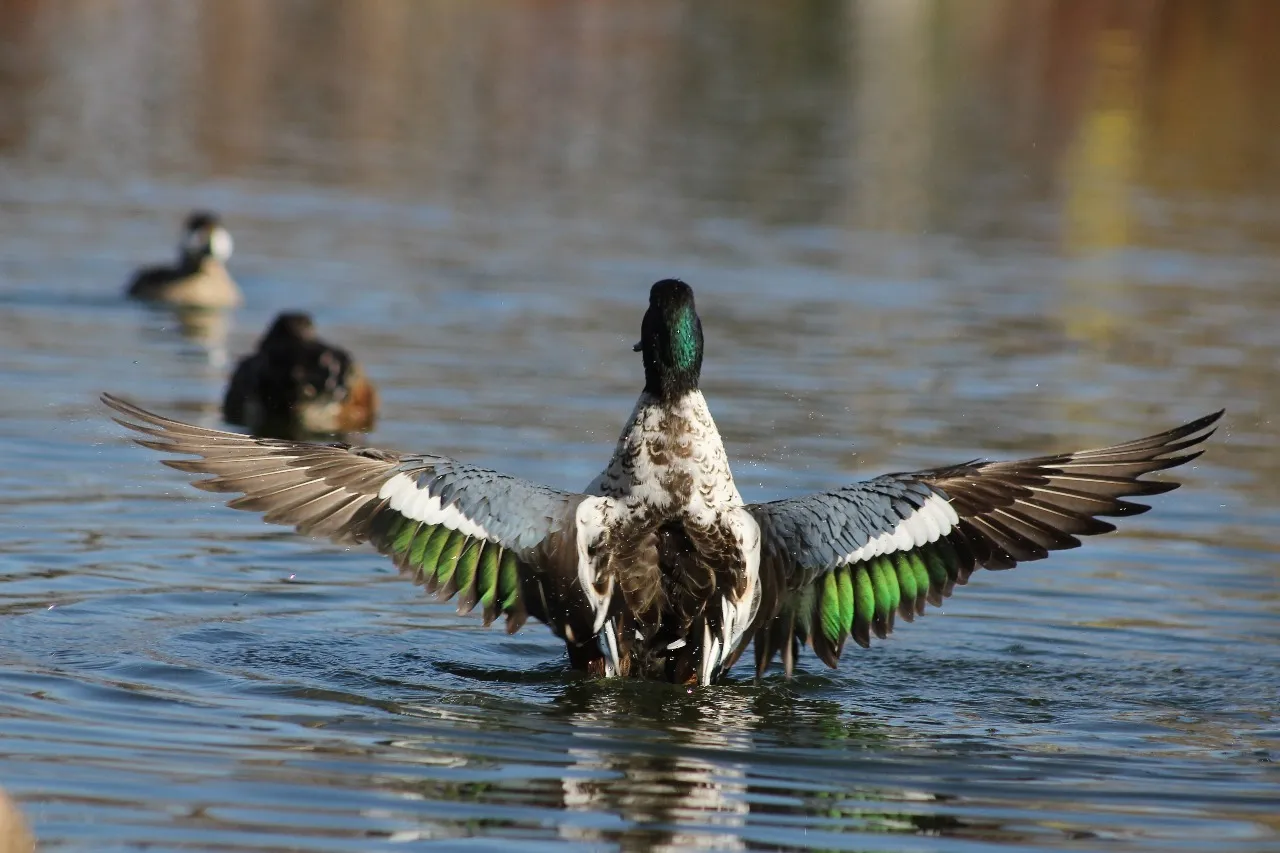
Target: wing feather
{"points": [[895, 542], [455, 528]]}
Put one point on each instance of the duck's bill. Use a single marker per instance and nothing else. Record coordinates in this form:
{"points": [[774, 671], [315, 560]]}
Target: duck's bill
{"points": [[639, 346]]}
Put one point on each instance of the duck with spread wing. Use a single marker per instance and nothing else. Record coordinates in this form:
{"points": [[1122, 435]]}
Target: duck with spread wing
{"points": [[659, 569]]}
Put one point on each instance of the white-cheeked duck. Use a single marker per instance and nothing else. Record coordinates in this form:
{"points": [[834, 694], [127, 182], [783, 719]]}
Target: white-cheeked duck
{"points": [[199, 278]]}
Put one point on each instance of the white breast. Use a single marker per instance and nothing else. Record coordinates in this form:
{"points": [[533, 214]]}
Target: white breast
{"points": [[671, 458]]}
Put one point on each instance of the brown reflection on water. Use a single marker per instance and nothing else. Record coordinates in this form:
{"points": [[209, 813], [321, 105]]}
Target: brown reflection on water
{"points": [[887, 110], [893, 89]]}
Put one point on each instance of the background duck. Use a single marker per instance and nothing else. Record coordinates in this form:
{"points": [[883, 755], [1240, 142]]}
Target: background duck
{"points": [[199, 279], [297, 384], [659, 569]]}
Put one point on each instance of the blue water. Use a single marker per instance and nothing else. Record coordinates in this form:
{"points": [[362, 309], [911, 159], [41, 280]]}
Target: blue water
{"points": [[915, 239]]}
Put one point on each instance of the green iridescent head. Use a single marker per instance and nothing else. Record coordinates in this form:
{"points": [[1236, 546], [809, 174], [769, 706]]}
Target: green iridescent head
{"points": [[671, 340]]}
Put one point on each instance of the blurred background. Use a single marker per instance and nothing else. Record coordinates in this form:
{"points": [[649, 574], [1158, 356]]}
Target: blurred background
{"points": [[894, 184], [919, 232]]}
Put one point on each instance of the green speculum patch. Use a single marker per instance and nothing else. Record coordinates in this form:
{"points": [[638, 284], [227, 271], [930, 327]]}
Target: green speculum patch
{"points": [[858, 600], [451, 563]]}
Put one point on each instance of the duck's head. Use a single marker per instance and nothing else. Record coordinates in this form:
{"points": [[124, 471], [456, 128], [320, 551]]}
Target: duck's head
{"points": [[671, 341], [203, 236], [290, 327]]}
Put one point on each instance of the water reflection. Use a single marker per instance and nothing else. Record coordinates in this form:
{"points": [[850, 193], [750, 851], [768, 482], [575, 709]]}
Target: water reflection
{"points": [[667, 795], [674, 769], [456, 97], [208, 328]]}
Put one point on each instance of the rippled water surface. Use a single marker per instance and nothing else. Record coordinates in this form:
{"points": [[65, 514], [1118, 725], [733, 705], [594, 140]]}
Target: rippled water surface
{"points": [[919, 233]]}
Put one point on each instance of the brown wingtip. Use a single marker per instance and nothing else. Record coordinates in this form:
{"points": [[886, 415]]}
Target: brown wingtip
{"points": [[122, 406], [1202, 427], [1189, 435], [133, 414], [116, 404], [1209, 419]]}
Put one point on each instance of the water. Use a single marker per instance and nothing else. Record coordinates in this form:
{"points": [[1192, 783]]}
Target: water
{"points": [[918, 235]]}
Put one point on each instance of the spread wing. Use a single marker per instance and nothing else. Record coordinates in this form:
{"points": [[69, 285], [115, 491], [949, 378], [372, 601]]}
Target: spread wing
{"points": [[840, 564], [498, 542]]}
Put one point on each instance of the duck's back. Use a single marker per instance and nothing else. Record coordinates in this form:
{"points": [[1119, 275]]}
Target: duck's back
{"points": [[300, 386], [206, 286]]}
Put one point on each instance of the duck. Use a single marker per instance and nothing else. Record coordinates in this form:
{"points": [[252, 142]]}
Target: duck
{"points": [[199, 279], [297, 384], [658, 569]]}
